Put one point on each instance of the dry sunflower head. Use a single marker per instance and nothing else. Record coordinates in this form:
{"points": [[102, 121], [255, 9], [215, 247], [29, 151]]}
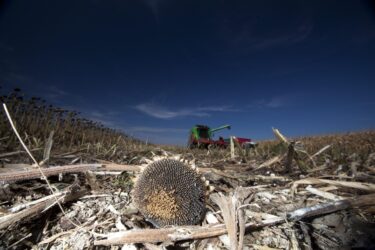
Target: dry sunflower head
{"points": [[170, 192]]}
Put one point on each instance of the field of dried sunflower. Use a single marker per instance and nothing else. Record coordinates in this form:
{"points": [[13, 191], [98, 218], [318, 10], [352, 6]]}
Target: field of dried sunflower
{"points": [[288, 193], [36, 120]]}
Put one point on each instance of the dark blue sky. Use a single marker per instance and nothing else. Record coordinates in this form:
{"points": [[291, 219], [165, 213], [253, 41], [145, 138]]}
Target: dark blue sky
{"points": [[157, 67]]}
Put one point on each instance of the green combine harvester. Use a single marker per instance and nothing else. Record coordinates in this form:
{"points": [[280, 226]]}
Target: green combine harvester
{"points": [[201, 136]]}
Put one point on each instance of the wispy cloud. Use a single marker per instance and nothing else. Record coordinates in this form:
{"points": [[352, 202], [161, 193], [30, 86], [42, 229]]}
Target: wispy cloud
{"points": [[247, 39], [97, 114], [218, 109], [53, 93], [107, 118], [162, 112], [275, 102], [284, 39]]}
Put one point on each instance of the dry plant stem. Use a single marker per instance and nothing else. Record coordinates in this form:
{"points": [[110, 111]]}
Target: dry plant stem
{"points": [[289, 158], [324, 194], [47, 149], [44, 172], [20, 207], [196, 232], [321, 151], [163, 235], [32, 157], [54, 237], [241, 224], [118, 167], [20, 240], [36, 209], [269, 162], [227, 206], [318, 209], [369, 187], [17, 152]]}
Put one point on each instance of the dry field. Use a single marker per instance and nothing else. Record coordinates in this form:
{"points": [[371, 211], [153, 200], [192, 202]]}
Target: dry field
{"points": [[288, 193]]}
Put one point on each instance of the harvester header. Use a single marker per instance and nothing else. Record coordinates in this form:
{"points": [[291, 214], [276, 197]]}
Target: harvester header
{"points": [[220, 128]]}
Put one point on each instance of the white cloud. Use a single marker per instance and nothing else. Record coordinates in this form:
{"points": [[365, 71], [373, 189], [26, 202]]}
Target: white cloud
{"points": [[97, 114], [165, 113], [275, 102], [107, 118], [218, 109], [285, 39], [161, 112], [52, 92]]}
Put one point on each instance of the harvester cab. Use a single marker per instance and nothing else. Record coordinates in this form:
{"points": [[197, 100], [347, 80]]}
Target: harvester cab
{"points": [[202, 136]]}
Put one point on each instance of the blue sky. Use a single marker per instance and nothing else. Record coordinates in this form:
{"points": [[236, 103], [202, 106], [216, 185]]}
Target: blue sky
{"points": [[154, 68]]}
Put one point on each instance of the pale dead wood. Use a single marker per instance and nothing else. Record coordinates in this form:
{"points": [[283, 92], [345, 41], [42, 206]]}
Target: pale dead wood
{"points": [[107, 172], [176, 233], [162, 235], [198, 232], [47, 149], [33, 158], [241, 225], [227, 206], [242, 198], [119, 167], [348, 184], [243, 176], [20, 207], [321, 151], [269, 162], [330, 207], [316, 169], [40, 206], [232, 155], [268, 178], [212, 220], [318, 209], [279, 136], [324, 194], [12, 167], [35, 174], [69, 154], [17, 152]]}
